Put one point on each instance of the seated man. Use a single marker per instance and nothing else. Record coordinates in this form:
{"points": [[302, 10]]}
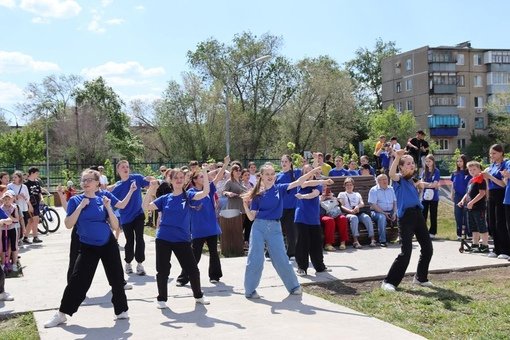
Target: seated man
{"points": [[364, 160], [353, 168], [338, 170], [383, 203]]}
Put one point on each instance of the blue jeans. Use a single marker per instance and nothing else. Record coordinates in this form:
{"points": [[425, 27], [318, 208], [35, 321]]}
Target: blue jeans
{"points": [[381, 221], [363, 218], [460, 216], [267, 232]]}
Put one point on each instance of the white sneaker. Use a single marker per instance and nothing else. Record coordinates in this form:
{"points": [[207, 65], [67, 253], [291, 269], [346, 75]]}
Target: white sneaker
{"points": [[432, 236], [161, 305], [6, 297], [500, 256], [214, 281], [139, 269], [297, 291], [388, 287], [122, 316], [56, 320], [300, 272], [127, 286], [14, 267], [202, 301], [423, 284], [128, 269], [492, 254], [254, 295]]}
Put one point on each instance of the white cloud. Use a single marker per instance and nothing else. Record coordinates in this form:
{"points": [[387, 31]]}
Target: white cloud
{"points": [[39, 20], [116, 21], [129, 68], [8, 3], [95, 24], [59, 9], [140, 8], [13, 62], [106, 3], [10, 94]]}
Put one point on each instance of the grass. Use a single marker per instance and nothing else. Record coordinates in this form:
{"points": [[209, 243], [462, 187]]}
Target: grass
{"points": [[20, 326], [446, 227], [471, 306]]}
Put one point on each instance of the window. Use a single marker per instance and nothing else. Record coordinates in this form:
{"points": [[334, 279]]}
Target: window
{"points": [[399, 106], [462, 101], [479, 123], [398, 87], [477, 81], [461, 81], [444, 78], [409, 64], [479, 102], [462, 124], [461, 144], [460, 59], [443, 144], [477, 59], [409, 105], [409, 84]]}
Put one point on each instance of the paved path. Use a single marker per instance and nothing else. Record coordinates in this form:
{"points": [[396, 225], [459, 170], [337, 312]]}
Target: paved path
{"points": [[230, 315]]}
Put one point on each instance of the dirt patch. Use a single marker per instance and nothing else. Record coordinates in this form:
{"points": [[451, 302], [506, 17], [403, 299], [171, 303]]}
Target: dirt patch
{"points": [[496, 274]]}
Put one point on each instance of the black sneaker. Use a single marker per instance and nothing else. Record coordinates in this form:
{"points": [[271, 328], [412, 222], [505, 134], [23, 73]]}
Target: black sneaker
{"points": [[474, 248], [383, 244], [26, 240], [37, 240], [483, 249]]}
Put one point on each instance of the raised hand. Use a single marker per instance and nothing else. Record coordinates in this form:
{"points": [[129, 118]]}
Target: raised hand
{"points": [[107, 202], [133, 186], [84, 202]]}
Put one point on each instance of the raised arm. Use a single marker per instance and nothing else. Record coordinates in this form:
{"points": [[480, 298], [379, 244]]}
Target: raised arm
{"points": [[62, 195], [394, 166], [308, 196], [150, 195], [206, 188], [221, 172], [315, 182], [112, 219], [122, 204], [251, 214], [302, 179]]}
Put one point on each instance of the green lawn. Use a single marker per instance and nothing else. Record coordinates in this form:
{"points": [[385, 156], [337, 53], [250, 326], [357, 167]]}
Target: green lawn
{"points": [[446, 228], [19, 327]]}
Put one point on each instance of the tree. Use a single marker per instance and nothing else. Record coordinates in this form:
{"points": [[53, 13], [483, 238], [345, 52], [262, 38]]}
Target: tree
{"points": [[499, 118], [258, 91], [107, 105], [320, 114], [365, 69], [22, 146]]}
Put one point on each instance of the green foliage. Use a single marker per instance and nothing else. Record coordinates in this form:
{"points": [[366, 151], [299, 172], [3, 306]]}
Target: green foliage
{"points": [[68, 175], [365, 69], [479, 146], [451, 163], [109, 171], [149, 171], [499, 118], [22, 146]]}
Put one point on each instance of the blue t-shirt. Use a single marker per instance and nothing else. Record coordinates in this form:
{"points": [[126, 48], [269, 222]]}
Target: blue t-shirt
{"points": [[175, 221], [352, 173], [385, 159], [308, 210], [507, 188], [91, 226], [372, 171], [203, 215], [407, 195], [494, 170], [134, 206], [337, 172], [435, 177], [460, 181], [289, 198], [3, 215], [269, 204]]}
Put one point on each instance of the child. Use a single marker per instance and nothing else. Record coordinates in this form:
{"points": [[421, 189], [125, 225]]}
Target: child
{"points": [[4, 220], [474, 201], [9, 232]]}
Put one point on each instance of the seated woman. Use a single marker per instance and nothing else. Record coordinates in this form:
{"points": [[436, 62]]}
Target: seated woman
{"points": [[352, 202], [332, 219]]}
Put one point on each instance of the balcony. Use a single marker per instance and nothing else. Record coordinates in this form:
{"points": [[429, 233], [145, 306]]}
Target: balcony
{"points": [[444, 125], [499, 88], [443, 88], [442, 67], [443, 110]]}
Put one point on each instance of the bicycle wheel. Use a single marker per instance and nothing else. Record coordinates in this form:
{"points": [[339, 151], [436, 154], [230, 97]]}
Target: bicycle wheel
{"points": [[52, 219], [42, 227]]}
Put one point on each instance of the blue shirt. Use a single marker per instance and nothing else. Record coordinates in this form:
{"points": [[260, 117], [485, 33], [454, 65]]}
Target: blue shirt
{"points": [[92, 226], [3, 215], [507, 188], [372, 171], [269, 204], [407, 195], [435, 177], [337, 172], [352, 173], [289, 198], [308, 210], [203, 215], [384, 198], [460, 181], [385, 159], [134, 206], [494, 170], [175, 221]]}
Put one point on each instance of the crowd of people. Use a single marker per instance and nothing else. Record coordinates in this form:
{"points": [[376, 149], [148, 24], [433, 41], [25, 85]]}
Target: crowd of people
{"points": [[292, 214]]}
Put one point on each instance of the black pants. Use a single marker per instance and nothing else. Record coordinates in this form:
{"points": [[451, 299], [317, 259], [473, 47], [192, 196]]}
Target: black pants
{"points": [[74, 250], [289, 230], [2, 280], [134, 230], [412, 223], [432, 206], [83, 273], [186, 259], [309, 243], [497, 222], [246, 227], [214, 259]]}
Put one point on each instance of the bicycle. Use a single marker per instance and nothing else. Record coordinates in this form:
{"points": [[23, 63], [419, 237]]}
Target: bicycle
{"points": [[49, 219]]}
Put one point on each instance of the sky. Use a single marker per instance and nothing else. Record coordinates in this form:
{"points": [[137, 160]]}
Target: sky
{"points": [[138, 46]]}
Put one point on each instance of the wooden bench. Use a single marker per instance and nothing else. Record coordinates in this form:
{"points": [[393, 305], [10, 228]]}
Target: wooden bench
{"points": [[363, 184]]}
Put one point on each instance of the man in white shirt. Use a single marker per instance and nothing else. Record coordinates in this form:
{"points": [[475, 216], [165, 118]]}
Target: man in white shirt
{"points": [[103, 180]]}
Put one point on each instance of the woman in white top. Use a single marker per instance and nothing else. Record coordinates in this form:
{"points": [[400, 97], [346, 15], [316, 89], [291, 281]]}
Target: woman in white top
{"points": [[352, 202], [21, 198]]}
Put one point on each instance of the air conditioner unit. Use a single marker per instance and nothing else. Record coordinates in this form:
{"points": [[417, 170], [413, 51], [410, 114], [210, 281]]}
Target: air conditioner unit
{"points": [[479, 110]]}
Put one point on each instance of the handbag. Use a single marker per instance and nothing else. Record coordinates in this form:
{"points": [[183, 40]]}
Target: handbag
{"points": [[331, 207], [428, 194]]}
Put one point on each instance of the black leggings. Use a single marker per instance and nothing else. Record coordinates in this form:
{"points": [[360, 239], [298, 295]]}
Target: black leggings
{"points": [[214, 259], [133, 231]]}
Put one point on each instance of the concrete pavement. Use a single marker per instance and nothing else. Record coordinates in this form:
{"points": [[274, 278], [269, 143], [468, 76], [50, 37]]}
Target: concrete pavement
{"points": [[230, 315]]}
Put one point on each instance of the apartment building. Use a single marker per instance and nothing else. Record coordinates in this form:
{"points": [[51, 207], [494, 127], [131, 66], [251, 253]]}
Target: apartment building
{"points": [[447, 89]]}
